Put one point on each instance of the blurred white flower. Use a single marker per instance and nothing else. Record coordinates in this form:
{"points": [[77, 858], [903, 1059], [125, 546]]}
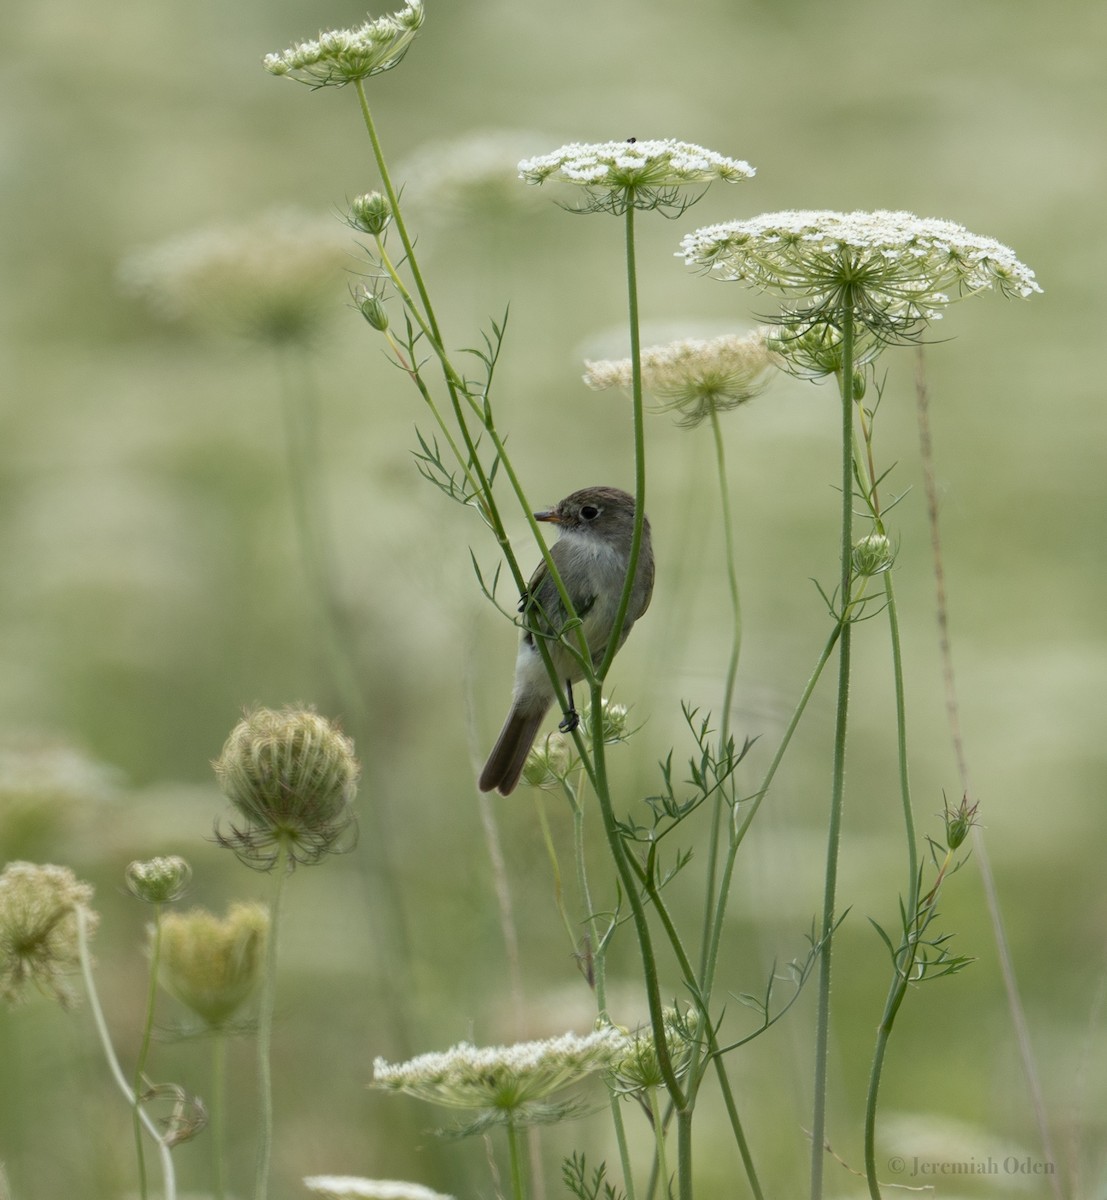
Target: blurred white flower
{"points": [[338, 1187], [695, 375], [269, 278]]}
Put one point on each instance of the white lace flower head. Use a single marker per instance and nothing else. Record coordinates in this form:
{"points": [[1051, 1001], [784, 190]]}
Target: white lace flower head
{"points": [[894, 271], [634, 174], [502, 1082], [341, 56]]}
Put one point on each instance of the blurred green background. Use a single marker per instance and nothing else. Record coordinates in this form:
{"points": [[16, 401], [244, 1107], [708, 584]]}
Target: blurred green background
{"points": [[152, 583]]}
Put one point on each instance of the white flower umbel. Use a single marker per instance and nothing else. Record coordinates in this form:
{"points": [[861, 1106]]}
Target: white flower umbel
{"points": [[273, 277], [634, 174], [341, 56], [893, 270], [694, 375], [339, 1187], [506, 1080]]}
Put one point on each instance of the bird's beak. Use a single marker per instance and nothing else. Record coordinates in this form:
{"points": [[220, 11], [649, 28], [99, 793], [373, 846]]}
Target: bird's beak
{"points": [[548, 514]]}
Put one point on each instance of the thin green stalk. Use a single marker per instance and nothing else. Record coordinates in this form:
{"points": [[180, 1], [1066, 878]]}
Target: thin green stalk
{"points": [[169, 1182], [266, 1006], [144, 1051], [638, 420], [837, 794], [312, 533], [739, 831], [597, 950], [518, 1172], [638, 912], [685, 963], [657, 1119], [728, 688], [217, 1112]]}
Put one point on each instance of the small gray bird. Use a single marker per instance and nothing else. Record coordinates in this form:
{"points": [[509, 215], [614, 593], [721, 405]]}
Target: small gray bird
{"points": [[595, 527]]}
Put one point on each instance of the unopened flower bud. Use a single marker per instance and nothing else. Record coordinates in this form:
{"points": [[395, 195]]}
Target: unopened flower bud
{"points": [[292, 775], [371, 213], [371, 307], [959, 821], [548, 762], [873, 555], [159, 880], [614, 719]]}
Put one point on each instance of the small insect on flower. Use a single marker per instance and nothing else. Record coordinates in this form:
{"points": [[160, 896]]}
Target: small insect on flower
{"points": [[616, 176]]}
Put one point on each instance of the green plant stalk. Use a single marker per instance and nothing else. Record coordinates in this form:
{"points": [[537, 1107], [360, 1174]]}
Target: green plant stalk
{"points": [[822, 1027], [266, 1006], [739, 831], [922, 912], [218, 1113], [169, 1182], [301, 449], [728, 688], [657, 1120], [598, 975], [685, 963], [639, 428], [518, 1173], [144, 1051]]}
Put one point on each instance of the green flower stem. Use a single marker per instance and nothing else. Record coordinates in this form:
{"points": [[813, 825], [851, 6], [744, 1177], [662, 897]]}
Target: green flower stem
{"points": [[685, 963], [301, 448], [597, 973], [922, 911], [169, 1182], [728, 689], [901, 744], [639, 446], [266, 1005], [217, 1108], [657, 1119], [739, 830], [397, 215], [518, 1172], [555, 868], [822, 1028], [144, 1052], [731, 575], [629, 882]]}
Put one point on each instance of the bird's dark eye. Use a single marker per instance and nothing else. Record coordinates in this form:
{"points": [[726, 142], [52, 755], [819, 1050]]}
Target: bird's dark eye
{"points": [[589, 512]]}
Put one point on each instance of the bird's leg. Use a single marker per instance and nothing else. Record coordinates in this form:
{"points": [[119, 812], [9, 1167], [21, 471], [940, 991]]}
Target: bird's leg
{"points": [[571, 718]]}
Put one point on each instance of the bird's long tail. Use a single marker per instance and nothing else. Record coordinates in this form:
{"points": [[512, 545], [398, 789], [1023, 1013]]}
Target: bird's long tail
{"points": [[509, 754]]}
